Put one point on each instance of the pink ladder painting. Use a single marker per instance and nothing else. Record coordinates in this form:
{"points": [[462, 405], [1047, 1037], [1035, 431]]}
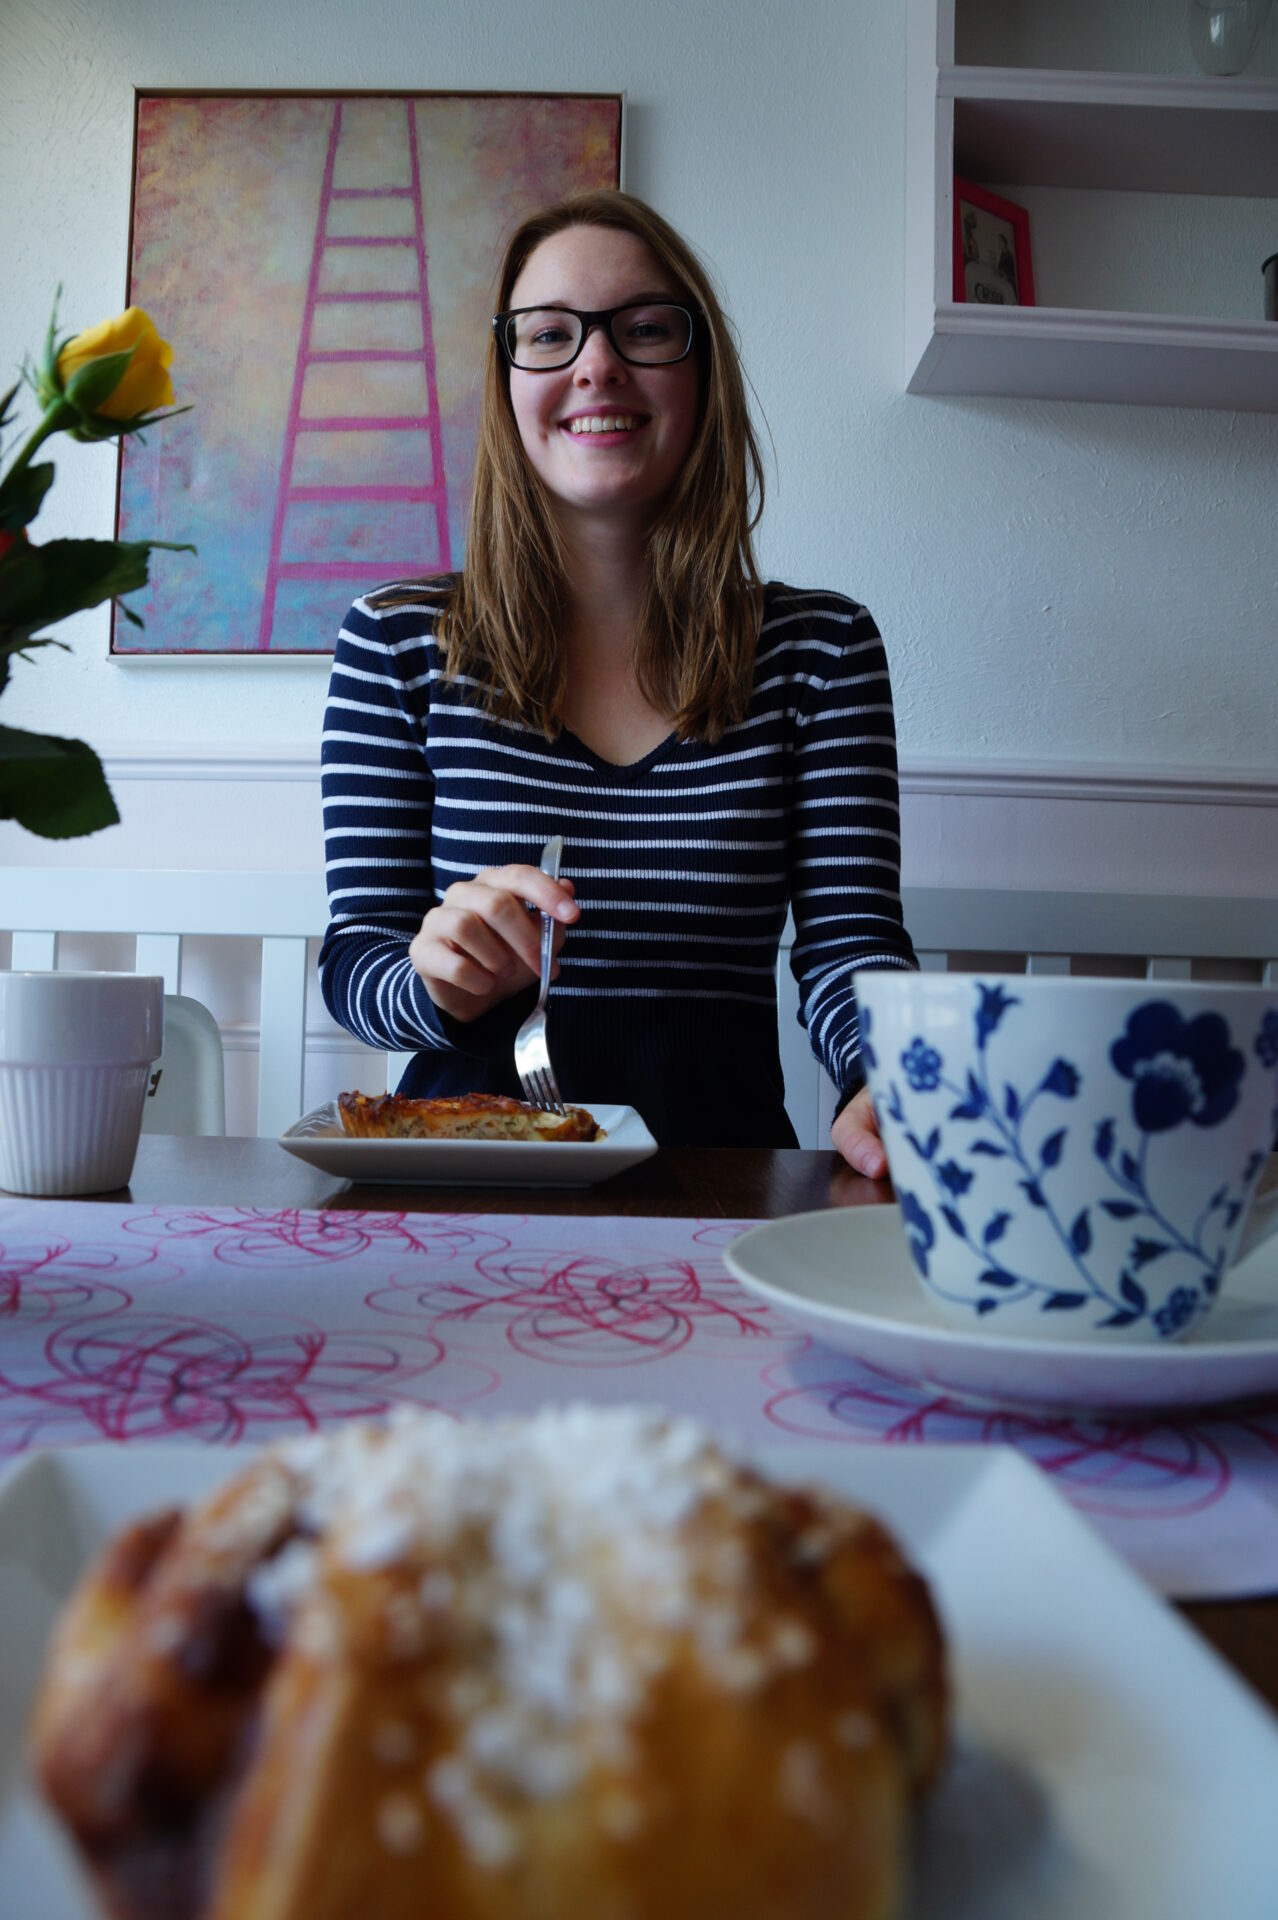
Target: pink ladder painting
{"points": [[362, 493]]}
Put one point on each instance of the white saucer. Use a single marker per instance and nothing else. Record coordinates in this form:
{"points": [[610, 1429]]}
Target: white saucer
{"points": [[845, 1276]]}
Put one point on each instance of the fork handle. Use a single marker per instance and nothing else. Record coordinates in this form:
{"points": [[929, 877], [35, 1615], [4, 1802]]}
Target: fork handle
{"points": [[547, 944], [552, 854]]}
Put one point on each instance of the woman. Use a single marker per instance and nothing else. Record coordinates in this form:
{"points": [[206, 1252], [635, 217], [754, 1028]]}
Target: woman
{"points": [[608, 666]]}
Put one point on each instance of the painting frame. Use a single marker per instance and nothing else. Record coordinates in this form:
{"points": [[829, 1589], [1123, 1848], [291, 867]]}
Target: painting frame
{"points": [[266, 359], [987, 229]]}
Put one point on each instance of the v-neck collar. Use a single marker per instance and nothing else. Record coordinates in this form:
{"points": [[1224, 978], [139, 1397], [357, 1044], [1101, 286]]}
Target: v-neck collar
{"points": [[627, 770]]}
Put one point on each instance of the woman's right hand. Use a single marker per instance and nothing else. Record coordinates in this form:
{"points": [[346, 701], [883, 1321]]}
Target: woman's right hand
{"points": [[481, 944]]}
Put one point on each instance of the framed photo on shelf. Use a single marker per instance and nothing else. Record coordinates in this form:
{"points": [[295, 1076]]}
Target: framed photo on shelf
{"points": [[992, 264]]}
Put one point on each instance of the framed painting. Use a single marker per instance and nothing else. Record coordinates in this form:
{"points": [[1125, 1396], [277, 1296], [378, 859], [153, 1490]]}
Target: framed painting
{"points": [[992, 264], [323, 266]]}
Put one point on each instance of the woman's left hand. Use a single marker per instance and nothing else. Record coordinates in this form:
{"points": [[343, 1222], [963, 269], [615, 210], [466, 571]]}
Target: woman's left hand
{"points": [[855, 1134]]}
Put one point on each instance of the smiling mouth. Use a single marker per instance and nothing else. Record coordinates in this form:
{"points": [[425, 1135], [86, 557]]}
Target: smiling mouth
{"points": [[589, 423]]}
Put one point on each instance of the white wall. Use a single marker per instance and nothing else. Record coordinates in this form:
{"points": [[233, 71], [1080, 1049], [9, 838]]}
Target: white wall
{"points": [[1064, 589]]}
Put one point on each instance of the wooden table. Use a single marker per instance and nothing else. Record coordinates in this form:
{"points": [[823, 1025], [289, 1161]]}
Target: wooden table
{"points": [[718, 1183]]}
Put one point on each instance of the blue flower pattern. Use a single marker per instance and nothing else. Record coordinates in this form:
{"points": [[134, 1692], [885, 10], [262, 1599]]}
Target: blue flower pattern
{"points": [[993, 1005], [1267, 1040], [921, 1232], [1181, 1069], [1177, 1313], [1182, 1072], [921, 1065]]}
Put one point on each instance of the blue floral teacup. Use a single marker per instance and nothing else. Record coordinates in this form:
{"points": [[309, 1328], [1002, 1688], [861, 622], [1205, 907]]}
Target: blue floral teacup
{"points": [[1074, 1159]]}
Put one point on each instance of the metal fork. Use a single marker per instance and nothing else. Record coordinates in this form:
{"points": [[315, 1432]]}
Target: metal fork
{"points": [[532, 1055]]}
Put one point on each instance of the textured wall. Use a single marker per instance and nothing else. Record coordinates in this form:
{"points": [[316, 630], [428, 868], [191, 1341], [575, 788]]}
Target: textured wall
{"points": [[1056, 582]]}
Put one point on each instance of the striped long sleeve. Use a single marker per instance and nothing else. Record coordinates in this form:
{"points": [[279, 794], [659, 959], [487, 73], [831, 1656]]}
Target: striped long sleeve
{"points": [[377, 795], [684, 864], [846, 862]]}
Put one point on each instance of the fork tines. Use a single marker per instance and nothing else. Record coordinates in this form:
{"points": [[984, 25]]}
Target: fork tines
{"points": [[541, 1089]]}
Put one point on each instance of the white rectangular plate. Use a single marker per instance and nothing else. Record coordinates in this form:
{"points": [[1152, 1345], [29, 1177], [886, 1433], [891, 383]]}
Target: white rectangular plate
{"points": [[318, 1137], [1107, 1767]]}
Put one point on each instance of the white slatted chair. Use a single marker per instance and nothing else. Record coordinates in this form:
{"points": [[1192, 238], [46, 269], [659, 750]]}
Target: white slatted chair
{"points": [[1042, 932], [164, 906]]}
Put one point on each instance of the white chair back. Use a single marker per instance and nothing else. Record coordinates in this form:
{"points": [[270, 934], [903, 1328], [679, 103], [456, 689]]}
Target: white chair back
{"points": [[1165, 937], [161, 907]]}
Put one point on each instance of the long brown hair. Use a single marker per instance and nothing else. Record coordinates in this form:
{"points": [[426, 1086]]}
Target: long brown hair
{"points": [[698, 620]]}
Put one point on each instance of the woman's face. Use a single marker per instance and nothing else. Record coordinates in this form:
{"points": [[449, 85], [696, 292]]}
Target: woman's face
{"points": [[607, 438]]}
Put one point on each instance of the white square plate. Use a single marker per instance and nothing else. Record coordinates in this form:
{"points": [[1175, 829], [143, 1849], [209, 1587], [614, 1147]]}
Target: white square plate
{"points": [[318, 1137], [1108, 1766]]}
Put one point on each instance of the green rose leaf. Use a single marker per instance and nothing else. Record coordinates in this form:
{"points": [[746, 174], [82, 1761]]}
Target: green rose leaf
{"points": [[43, 584], [53, 787], [21, 494]]}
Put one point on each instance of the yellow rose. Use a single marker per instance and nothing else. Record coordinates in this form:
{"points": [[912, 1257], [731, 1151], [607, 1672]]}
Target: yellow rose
{"points": [[146, 385]]}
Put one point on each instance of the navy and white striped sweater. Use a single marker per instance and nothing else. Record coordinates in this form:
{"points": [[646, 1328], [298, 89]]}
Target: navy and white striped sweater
{"points": [[684, 865]]}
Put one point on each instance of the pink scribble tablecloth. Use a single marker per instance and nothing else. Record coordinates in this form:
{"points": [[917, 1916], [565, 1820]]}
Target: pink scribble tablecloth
{"points": [[226, 1325]]}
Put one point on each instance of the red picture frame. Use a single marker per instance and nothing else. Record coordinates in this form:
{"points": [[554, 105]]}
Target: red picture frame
{"points": [[992, 263]]}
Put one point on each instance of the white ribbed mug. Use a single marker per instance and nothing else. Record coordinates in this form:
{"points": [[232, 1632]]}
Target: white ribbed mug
{"points": [[76, 1050]]}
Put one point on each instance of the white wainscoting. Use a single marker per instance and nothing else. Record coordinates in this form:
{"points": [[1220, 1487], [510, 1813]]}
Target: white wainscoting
{"points": [[978, 824]]}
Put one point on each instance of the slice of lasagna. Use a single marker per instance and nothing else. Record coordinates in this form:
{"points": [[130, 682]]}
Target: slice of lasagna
{"points": [[464, 1116]]}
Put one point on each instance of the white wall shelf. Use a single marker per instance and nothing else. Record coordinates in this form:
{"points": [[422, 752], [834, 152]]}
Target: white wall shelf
{"points": [[1066, 353], [1013, 126], [1143, 132]]}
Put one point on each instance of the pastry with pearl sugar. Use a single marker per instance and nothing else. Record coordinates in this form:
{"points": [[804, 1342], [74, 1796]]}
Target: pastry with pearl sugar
{"points": [[583, 1663]]}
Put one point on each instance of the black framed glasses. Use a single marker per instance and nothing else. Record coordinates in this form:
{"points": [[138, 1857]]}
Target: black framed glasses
{"points": [[646, 333]]}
